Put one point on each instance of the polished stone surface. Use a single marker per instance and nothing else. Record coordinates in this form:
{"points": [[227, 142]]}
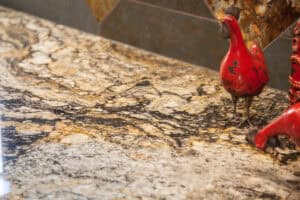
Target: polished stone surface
{"points": [[86, 118]]}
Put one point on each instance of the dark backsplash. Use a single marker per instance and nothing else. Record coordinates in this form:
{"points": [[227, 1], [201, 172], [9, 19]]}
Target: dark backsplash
{"points": [[186, 37], [195, 7]]}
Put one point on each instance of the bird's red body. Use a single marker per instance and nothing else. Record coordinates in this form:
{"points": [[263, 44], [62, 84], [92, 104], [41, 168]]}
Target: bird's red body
{"points": [[286, 124], [243, 72]]}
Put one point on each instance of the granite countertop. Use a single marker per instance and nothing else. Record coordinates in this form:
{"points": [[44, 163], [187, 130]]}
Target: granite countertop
{"points": [[83, 117]]}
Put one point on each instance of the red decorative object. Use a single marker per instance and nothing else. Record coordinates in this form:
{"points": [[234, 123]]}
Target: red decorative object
{"points": [[294, 79], [243, 71], [286, 124], [289, 122]]}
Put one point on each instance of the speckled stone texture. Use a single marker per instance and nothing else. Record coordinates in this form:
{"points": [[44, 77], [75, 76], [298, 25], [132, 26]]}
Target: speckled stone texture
{"points": [[86, 118]]}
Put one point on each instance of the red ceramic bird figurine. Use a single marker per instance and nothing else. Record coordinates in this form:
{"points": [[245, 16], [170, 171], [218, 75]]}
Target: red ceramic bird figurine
{"points": [[294, 78], [289, 122], [243, 71], [286, 124]]}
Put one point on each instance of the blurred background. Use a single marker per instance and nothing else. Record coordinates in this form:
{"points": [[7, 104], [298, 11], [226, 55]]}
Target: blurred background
{"points": [[183, 29]]}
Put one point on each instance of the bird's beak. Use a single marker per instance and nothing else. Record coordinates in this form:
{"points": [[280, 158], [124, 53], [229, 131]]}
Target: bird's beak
{"points": [[224, 18]]}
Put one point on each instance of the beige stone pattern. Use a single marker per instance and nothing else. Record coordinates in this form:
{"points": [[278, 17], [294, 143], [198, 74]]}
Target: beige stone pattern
{"points": [[83, 117]]}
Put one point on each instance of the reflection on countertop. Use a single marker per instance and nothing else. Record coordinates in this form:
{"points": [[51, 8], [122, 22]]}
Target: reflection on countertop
{"points": [[4, 184], [87, 118]]}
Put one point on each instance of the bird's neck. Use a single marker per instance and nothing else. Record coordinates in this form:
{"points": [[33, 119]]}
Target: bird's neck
{"points": [[236, 39], [274, 128], [269, 131]]}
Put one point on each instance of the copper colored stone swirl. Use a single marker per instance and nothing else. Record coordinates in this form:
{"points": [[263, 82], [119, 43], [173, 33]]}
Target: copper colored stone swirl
{"points": [[102, 8]]}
